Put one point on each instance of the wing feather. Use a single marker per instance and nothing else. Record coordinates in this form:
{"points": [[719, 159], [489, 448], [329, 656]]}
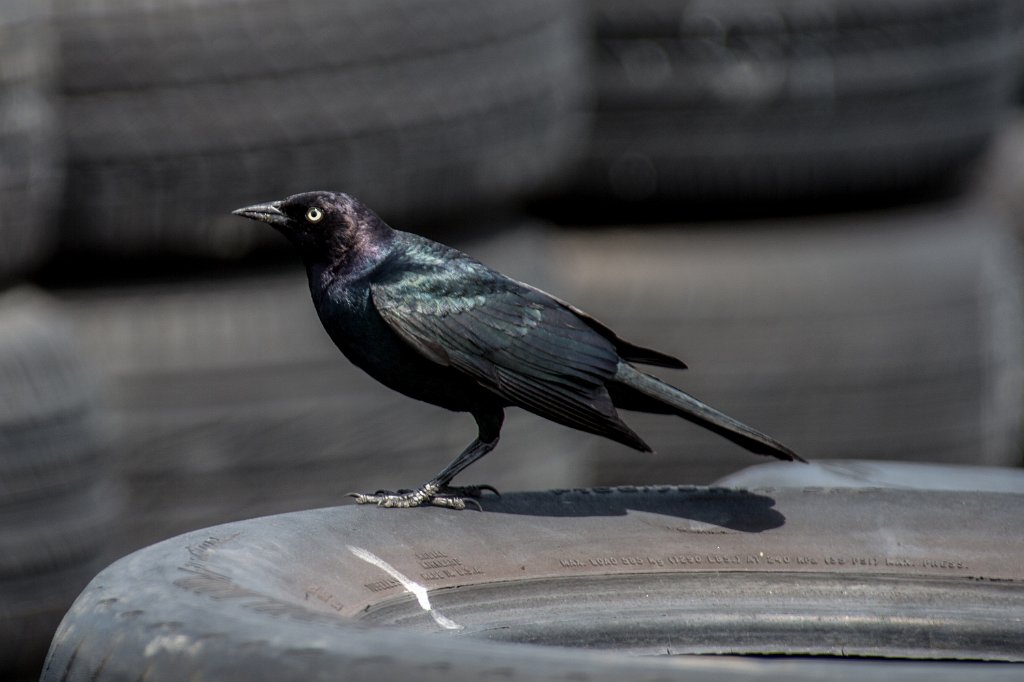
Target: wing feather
{"points": [[513, 339]]}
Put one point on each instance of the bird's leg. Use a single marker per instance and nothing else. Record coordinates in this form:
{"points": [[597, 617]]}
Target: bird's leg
{"points": [[437, 490]]}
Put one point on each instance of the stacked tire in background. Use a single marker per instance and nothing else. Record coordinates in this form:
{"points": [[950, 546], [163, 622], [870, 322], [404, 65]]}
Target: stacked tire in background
{"points": [[30, 138], [180, 112], [57, 503], [228, 398], [889, 333], [885, 335], [782, 101]]}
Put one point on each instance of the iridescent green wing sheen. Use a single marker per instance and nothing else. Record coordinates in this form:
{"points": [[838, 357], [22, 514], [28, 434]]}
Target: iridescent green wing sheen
{"points": [[514, 340]]}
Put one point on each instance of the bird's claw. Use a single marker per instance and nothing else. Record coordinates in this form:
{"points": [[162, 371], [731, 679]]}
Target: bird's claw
{"points": [[449, 497]]}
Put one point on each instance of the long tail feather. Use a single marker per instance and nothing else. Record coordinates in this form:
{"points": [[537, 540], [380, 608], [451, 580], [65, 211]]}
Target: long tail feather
{"points": [[691, 409]]}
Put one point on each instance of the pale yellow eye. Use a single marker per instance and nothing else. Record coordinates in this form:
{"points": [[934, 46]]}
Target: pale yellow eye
{"points": [[314, 214]]}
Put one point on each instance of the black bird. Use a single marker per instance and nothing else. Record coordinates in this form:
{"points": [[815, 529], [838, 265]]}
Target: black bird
{"points": [[434, 324]]}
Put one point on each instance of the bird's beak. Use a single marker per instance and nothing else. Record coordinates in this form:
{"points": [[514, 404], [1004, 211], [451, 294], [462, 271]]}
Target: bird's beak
{"points": [[267, 213]]}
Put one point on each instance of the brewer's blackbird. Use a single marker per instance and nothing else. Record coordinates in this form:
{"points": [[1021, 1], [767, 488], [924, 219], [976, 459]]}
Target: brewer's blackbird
{"points": [[429, 321]]}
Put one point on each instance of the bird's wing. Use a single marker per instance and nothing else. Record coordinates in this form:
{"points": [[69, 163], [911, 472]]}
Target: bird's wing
{"points": [[512, 339], [630, 352]]}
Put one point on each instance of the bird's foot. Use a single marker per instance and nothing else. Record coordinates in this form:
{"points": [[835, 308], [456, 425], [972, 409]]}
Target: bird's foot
{"points": [[450, 497]]}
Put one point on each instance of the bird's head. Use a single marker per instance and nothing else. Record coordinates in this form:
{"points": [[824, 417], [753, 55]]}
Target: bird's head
{"points": [[329, 227]]}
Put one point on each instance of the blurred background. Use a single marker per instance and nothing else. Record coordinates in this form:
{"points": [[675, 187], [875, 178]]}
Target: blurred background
{"points": [[816, 204]]}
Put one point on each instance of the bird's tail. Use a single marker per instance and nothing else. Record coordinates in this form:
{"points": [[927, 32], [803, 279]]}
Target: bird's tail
{"points": [[691, 409]]}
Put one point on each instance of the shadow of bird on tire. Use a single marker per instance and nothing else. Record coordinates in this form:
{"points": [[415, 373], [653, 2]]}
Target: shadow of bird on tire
{"points": [[726, 509]]}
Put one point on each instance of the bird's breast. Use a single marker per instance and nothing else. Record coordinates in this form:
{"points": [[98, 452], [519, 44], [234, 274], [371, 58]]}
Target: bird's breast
{"points": [[359, 331]]}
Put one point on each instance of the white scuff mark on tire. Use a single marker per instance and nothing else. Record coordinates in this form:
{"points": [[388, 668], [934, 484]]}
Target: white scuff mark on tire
{"points": [[420, 591], [175, 644]]}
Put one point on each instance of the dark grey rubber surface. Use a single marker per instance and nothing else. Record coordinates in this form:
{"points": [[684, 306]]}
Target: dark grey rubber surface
{"points": [[606, 572]]}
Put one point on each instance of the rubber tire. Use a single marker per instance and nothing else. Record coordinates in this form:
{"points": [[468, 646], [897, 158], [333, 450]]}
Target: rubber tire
{"points": [[876, 335], [30, 138], [57, 502], [329, 594], [713, 103], [228, 401], [181, 112]]}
